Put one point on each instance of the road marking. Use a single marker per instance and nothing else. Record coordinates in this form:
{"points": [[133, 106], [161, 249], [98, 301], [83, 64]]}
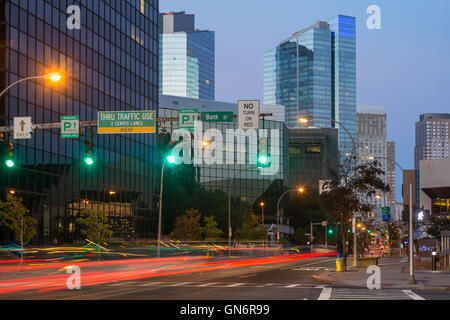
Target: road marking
{"points": [[235, 285], [207, 284], [250, 275], [292, 286], [265, 285], [150, 284], [325, 294], [179, 284], [365, 294], [413, 295]]}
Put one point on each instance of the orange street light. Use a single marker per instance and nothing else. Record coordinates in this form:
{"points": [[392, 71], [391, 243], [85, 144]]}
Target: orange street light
{"points": [[55, 77], [304, 120], [301, 189], [205, 143], [262, 204]]}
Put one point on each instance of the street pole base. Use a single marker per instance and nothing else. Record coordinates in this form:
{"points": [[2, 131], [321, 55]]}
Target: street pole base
{"points": [[412, 280]]}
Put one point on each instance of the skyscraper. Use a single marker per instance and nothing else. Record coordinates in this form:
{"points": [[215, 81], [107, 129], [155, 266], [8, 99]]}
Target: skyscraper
{"points": [[187, 57], [372, 143], [432, 137], [391, 174], [314, 72], [109, 64]]}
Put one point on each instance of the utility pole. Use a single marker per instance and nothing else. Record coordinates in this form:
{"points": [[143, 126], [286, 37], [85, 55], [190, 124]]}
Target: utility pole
{"points": [[311, 235], [411, 280]]}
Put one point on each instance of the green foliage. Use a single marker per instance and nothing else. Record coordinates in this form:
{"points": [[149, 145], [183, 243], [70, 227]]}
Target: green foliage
{"points": [[210, 230], [14, 215], [300, 236], [252, 229], [94, 225], [344, 190], [393, 232], [187, 226]]}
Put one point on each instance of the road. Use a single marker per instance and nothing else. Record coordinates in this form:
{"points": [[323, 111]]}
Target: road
{"points": [[253, 279]]}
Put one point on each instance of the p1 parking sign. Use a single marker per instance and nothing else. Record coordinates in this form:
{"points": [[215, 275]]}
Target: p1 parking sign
{"points": [[187, 118], [70, 126]]}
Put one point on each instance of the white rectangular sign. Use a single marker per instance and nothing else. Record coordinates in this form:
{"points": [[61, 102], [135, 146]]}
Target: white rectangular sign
{"points": [[248, 114], [22, 128]]}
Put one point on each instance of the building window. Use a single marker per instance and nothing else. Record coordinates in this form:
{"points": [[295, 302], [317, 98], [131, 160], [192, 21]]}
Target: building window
{"points": [[313, 149]]}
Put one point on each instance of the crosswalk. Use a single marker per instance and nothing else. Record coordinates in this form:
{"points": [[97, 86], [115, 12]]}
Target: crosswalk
{"points": [[366, 294]]}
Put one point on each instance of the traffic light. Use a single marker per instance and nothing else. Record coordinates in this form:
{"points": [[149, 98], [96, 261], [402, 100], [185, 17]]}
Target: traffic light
{"points": [[369, 231], [171, 159], [89, 158], [330, 231], [9, 155], [263, 154]]}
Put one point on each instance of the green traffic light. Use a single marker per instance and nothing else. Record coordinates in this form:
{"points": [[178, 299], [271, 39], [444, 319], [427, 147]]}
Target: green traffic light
{"points": [[10, 163], [330, 231], [89, 160], [171, 159]]}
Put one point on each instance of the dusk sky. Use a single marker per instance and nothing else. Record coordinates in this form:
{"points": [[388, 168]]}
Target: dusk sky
{"points": [[405, 66]]}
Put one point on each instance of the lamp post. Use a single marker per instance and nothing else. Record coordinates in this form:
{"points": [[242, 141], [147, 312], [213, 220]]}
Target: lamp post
{"points": [[55, 77], [262, 215], [411, 280], [170, 159], [229, 209], [305, 120], [299, 190]]}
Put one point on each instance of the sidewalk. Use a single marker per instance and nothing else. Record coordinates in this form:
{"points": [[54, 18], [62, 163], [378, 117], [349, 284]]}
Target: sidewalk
{"points": [[394, 274]]}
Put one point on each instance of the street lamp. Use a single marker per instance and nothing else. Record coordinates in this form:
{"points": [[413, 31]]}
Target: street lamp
{"points": [[299, 190], [170, 159], [262, 207], [55, 77], [305, 120]]}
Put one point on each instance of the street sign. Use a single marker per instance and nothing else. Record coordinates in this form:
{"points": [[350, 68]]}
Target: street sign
{"points": [[22, 128], [70, 127], [217, 116], [248, 114], [188, 118], [126, 122], [386, 214]]}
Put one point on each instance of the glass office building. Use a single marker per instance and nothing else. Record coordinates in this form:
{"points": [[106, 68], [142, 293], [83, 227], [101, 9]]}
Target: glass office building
{"points": [[248, 180], [314, 72], [187, 57], [111, 63]]}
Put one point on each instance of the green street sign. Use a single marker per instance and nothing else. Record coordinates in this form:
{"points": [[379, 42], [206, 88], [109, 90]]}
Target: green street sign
{"points": [[126, 122], [385, 210], [187, 118], [70, 127], [217, 116]]}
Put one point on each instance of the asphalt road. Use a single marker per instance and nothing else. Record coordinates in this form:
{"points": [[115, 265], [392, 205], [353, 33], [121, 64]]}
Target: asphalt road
{"points": [[290, 280]]}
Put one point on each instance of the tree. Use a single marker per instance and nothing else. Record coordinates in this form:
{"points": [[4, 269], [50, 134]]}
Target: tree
{"points": [[14, 215], [252, 229], [187, 226], [94, 225], [344, 193], [210, 230]]}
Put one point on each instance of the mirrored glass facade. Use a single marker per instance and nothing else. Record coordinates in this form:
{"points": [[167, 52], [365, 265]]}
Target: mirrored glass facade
{"points": [[314, 72], [187, 64], [111, 63], [248, 180]]}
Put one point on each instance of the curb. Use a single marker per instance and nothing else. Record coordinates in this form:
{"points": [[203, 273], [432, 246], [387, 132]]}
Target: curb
{"points": [[318, 279], [438, 289]]}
